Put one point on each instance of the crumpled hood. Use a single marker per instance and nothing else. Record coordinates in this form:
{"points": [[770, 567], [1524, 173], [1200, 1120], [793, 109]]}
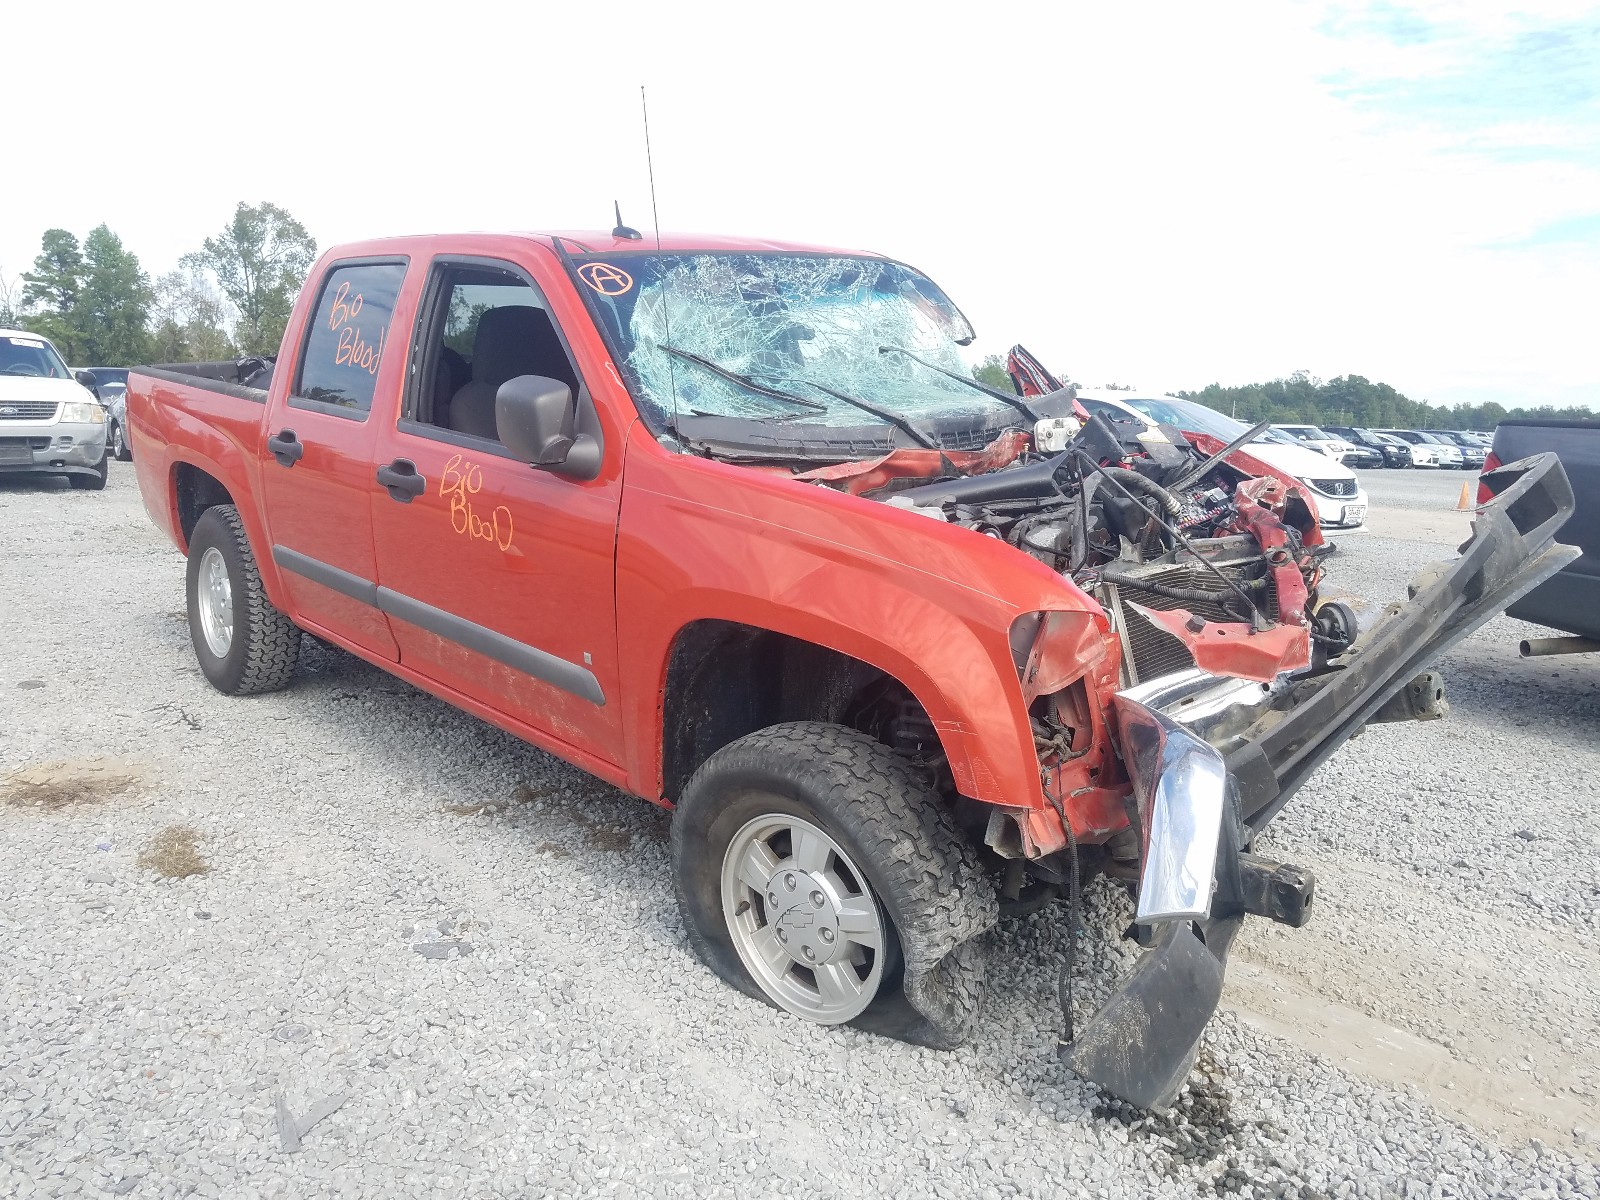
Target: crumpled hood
{"points": [[42, 390]]}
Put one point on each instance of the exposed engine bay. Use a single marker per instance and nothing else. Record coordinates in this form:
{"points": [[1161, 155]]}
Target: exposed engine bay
{"points": [[1180, 549]]}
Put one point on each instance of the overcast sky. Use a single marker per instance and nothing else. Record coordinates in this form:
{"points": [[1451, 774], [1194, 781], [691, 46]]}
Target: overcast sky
{"points": [[1163, 194]]}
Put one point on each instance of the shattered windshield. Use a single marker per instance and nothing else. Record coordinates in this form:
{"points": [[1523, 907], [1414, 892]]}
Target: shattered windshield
{"points": [[809, 338]]}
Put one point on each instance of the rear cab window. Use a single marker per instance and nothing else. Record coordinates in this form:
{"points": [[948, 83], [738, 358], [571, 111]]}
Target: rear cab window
{"points": [[345, 344]]}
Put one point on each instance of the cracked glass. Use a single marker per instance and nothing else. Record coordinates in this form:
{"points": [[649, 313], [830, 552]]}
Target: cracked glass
{"points": [[805, 330]]}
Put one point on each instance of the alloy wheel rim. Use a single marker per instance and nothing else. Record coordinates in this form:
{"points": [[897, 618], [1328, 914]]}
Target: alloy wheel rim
{"points": [[803, 919], [215, 602]]}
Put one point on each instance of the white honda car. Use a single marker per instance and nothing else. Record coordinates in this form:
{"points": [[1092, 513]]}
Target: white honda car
{"points": [[1340, 500]]}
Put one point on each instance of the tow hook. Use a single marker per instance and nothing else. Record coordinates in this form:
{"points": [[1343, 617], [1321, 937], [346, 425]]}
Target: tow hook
{"points": [[1278, 891], [1422, 699]]}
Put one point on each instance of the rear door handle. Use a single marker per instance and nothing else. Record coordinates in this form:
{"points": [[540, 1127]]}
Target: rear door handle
{"points": [[286, 448], [401, 479]]}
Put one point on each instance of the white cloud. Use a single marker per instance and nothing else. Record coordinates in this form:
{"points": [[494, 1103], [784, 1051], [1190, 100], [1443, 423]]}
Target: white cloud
{"points": [[1164, 194]]}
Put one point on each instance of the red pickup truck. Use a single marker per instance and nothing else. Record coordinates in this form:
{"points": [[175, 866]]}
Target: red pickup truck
{"points": [[729, 525]]}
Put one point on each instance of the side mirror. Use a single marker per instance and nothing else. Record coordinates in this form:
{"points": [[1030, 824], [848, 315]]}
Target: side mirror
{"points": [[88, 381], [536, 417]]}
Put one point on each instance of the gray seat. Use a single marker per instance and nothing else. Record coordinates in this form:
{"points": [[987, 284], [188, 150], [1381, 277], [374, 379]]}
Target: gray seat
{"points": [[509, 342]]}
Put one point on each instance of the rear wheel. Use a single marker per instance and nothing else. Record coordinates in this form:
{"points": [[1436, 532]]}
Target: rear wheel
{"points": [[244, 645], [816, 871]]}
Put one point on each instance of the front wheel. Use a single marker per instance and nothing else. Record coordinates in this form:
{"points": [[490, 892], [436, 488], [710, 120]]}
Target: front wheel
{"points": [[244, 645], [816, 871]]}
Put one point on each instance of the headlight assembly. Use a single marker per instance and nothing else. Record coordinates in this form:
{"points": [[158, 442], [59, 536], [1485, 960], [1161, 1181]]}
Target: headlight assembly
{"points": [[83, 412]]}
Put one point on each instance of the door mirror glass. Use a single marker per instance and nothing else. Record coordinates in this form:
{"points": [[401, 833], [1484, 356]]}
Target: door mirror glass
{"points": [[536, 418]]}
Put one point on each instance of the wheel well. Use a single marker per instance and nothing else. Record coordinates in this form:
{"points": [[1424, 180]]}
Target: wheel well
{"points": [[725, 680], [196, 491]]}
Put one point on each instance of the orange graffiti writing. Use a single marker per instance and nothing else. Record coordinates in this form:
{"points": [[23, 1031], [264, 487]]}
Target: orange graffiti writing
{"points": [[605, 278], [353, 349], [461, 481], [343, 307]]}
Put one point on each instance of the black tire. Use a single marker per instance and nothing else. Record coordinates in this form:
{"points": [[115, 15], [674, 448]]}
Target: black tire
{"points": [[265, 644], [119, 443], [923, 873], [95, 482]]}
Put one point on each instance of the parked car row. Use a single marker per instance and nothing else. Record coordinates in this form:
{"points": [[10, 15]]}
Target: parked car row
{"points": [[1360, 447], [1340, 500]]}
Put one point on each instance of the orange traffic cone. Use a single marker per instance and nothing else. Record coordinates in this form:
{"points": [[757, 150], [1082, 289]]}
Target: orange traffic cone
{"points": [[1466, 503]]}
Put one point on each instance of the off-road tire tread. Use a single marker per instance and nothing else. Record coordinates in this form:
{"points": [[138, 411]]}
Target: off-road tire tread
{"points": [[928, 874], [272, 641]]}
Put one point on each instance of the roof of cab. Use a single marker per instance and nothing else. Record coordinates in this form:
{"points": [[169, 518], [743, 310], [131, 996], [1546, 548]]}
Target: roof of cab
{"points": [[592, 241]]}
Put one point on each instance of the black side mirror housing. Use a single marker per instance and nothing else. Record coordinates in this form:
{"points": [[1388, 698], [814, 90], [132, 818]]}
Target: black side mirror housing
{"points": [[537, 420], [88, 381]]}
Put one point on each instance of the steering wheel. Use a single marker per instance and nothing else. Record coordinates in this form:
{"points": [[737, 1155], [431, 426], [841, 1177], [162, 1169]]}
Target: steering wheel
{"points": [[23, 368]]}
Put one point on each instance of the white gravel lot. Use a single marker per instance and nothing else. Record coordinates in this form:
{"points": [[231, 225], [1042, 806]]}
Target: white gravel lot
{"points": [[464, 957]]}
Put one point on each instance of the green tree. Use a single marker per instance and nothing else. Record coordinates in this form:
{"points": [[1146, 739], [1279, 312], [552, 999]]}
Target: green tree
{"points": [[50, 291], [260, 261], [189, 319], [992, 371], [113, 303], [10, 300], [1356, 400]]}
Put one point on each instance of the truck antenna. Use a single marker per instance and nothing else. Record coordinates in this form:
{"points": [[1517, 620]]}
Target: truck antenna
{"points": [[650, 166], [655, 218], [623, 231]]}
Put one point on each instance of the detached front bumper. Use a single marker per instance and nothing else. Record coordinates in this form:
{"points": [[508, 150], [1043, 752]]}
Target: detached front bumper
{"points": [[1213, 760]]}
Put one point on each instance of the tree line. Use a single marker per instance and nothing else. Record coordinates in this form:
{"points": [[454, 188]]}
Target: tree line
{"points": [[230, 297], [233, 296], [1349, 400]]}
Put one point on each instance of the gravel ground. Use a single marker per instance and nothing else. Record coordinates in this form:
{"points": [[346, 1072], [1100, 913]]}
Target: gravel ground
{"points": [[344, 940]]}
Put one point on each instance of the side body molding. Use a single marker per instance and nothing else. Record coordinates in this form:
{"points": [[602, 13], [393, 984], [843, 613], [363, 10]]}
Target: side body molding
{"points": [[530, 660]]}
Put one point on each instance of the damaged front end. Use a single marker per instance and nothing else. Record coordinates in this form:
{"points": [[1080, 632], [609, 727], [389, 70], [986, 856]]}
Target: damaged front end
{"points": [[1213, 759]]}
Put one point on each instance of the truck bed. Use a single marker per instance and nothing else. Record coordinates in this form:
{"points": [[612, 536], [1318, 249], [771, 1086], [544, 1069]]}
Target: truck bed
{"points": [[246, 378], [208, 409]]}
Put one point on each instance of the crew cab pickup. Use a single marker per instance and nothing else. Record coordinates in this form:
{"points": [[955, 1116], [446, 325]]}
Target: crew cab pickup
{"points": [[730, 525]]}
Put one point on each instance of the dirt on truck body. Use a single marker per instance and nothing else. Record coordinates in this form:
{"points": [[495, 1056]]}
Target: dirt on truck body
{"points": [[730, 525]]}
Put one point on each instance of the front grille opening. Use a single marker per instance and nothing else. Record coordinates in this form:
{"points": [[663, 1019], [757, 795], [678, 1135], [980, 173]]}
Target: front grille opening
{"points": [[28, 410], [1154, 651], [1334, 487]]}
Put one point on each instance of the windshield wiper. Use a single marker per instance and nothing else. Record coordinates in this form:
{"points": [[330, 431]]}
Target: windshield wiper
{"points": [[923, 436], [743, 381], [1016, 402]]}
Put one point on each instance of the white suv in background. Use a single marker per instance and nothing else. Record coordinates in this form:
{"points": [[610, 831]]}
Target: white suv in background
{"points": [[1333, 488], [50, 421]]}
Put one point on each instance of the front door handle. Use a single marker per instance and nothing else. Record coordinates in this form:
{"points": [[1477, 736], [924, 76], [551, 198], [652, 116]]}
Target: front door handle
{"points": [[286, 448], [401, 479]]}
